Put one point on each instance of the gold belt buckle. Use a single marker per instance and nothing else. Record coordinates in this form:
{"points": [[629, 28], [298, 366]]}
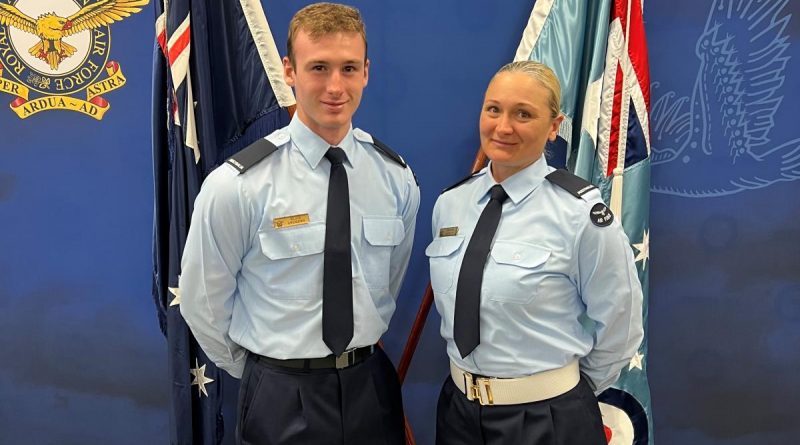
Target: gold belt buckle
{"points": [[473, 389], [345, 359]]}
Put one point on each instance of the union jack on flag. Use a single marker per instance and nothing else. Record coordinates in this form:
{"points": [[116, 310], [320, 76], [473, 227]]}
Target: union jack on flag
{"points": [[605, 83]]}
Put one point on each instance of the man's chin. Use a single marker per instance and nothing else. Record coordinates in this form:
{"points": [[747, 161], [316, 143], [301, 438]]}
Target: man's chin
{"points": [[335, 122]]}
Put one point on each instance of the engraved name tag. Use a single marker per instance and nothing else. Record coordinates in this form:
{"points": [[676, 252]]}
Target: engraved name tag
{"points": [[448, 231], [289, 221]]}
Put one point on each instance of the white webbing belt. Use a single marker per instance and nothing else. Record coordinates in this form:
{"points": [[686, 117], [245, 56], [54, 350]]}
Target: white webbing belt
{"points": [[532, 388]]}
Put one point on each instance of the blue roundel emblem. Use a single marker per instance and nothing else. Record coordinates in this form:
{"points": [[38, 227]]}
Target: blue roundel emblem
{"points": [[624, 418]]}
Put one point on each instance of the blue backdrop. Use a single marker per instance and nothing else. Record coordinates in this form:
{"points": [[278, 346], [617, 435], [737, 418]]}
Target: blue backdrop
{"points": [[82, 359]]}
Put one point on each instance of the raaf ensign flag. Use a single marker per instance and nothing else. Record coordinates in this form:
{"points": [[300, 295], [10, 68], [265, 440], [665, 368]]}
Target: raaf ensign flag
{"points": [[599, 52], [217, 87]]}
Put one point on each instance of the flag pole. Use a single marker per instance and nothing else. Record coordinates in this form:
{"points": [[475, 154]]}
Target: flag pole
{"points": [[422, 316]]}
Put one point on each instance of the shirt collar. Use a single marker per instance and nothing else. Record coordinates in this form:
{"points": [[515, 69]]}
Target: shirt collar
{"points": [[518, 186], [313, 147]]}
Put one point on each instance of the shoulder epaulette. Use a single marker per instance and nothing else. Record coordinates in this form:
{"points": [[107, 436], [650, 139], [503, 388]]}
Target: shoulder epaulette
{"points": [[388, 152], [575, 185], [463, 180], [251, 155]]}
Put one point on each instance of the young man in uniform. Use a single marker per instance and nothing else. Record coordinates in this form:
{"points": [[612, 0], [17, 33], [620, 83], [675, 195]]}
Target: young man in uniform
{"points": [[297, 249]]}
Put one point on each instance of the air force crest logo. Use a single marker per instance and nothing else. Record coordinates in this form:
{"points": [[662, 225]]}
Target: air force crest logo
{"points": [[54, 54]]}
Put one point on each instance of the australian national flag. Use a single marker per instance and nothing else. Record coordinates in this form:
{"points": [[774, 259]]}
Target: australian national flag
{"points": [[216, 89], [599, 53]]}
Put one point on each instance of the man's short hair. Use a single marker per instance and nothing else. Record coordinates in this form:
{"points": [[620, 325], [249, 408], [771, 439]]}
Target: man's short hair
{"points": [[321, 19]]}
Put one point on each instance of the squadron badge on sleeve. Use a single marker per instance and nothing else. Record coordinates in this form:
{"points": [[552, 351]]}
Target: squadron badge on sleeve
{"points": [[601, 215]]}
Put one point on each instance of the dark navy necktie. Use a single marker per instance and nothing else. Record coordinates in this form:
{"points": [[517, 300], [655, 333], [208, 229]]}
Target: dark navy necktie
{"points": [[337, 281], [467, 324]]}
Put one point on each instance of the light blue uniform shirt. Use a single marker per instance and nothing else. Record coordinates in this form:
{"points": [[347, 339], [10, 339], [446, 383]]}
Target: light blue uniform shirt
{"points": [[246, 285], [556, 288]]}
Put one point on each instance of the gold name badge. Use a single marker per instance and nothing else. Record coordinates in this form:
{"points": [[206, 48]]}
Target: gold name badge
{"points": [[289, 221], [448, 231]]}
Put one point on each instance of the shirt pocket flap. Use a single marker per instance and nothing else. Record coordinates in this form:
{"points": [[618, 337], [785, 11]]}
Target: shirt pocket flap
{"points": [[384, 230], [293, 241], [519, 254], [444, 246]]}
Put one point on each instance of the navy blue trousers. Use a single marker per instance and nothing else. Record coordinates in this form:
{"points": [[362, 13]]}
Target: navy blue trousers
{"points": [[352, 406], [572, 418]]}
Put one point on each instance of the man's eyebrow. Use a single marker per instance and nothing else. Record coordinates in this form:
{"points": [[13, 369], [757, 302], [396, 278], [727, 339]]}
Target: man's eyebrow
{"points": [[327, 62]]}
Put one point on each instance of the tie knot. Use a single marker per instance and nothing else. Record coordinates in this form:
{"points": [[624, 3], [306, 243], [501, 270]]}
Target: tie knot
{"points": [[498, 194], [336, 155]]}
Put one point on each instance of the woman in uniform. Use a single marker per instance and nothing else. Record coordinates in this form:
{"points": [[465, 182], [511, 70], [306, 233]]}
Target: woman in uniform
{"points": [[534, 280]]}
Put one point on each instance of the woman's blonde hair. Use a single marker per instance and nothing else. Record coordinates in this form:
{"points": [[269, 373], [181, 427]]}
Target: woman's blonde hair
{"points": [[544, 75]]}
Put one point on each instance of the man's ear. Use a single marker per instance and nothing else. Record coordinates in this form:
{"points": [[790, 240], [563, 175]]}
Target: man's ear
{"points": [[288, 72]]}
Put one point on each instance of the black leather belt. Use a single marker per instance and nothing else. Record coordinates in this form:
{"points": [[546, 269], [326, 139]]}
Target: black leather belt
{"points": [[347, 359]]}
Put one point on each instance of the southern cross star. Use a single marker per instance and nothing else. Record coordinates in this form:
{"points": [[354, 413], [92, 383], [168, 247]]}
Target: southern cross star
{"points": [[644, 249], [200, 379]]}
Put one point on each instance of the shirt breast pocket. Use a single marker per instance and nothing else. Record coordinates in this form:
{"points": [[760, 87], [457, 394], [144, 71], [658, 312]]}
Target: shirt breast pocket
{"points": [[382, 234], [295, 271], [514, 272], [443, 255]]}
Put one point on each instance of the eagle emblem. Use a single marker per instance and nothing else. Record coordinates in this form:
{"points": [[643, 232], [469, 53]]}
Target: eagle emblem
{"points": [[51, 28], [60, 60], [718, 137]]}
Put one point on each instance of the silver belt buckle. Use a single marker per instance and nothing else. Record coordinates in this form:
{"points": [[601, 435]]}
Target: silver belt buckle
{"points": [[345, 360]]}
